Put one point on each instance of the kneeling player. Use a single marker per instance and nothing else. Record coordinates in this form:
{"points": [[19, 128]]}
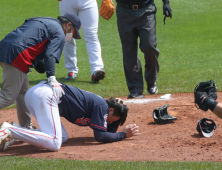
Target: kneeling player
{"points": [[77, 106]]}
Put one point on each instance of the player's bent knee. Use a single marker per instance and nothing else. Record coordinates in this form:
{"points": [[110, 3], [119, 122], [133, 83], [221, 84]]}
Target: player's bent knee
{"points": [[146, 48], [55, 148]]}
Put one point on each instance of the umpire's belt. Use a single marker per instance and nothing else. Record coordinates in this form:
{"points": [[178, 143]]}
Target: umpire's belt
{"points": [[134, 7]]}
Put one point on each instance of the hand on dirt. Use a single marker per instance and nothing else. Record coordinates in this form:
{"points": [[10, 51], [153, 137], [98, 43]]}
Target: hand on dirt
{"points": [[131, 130]]}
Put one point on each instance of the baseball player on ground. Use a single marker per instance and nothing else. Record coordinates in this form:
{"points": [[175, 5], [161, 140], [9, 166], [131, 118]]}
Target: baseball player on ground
{"points": [[78, 107], [37, 43], [87, 11]]}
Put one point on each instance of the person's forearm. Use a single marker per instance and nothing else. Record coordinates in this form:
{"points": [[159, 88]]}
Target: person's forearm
{"points": [[50, 66], [218, 110], [106, 137]]}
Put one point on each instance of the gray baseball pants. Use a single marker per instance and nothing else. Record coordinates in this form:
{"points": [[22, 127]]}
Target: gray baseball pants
{"points": [[15, 84]]}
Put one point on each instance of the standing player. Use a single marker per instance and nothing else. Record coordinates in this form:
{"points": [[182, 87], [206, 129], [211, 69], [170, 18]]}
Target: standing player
{"points": [[87, 11], [38, 39], [77, 106]]}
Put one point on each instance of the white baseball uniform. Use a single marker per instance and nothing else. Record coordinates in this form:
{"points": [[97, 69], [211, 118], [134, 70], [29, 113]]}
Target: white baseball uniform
{"points": [[44, 107], [87, 11]]}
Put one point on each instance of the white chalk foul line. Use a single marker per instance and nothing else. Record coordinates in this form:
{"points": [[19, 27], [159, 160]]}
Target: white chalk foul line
{"points": [[142, 100]]}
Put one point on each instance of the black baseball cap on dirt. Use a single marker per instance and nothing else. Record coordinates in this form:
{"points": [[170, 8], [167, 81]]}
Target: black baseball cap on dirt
{"points": [[205, 128], [74, 19]]}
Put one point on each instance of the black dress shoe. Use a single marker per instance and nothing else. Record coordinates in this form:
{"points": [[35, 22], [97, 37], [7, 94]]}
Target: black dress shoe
{"points": [[135, 95], [152, 88]]}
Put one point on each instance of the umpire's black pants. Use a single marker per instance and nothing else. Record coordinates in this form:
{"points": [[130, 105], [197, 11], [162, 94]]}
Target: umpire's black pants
{"points": [[131, 25]]}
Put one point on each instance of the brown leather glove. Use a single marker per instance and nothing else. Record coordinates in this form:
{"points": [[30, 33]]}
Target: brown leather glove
{"points": [[107, 9]]}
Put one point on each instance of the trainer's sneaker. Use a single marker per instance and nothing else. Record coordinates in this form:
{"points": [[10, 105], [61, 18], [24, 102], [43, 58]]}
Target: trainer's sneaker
{"points": [[98, 75], [152, 88], [71, 76], [135, 95]]}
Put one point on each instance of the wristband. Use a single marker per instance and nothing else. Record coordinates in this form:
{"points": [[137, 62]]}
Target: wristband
{"points": [[210, 103]]}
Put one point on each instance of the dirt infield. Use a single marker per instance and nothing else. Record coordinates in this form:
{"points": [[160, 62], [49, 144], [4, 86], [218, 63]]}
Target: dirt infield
{"points": [[178, 141]]}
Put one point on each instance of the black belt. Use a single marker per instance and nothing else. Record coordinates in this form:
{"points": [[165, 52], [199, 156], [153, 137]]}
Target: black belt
{"points": [[134, 7]]}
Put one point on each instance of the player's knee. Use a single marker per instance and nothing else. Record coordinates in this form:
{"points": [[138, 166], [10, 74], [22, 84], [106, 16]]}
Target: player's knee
{"points": [[90, 35], [56, 148], [146, 48], [6, 99]]}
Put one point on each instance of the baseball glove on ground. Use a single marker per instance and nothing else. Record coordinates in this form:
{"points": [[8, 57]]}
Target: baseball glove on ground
{"points": [[107, 9], [161, 116], [208, 89]]}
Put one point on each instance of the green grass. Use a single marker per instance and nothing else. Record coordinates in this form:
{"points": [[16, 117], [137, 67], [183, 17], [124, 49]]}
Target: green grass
{"points": [[189, 44], [31, 163], [190, 52]]}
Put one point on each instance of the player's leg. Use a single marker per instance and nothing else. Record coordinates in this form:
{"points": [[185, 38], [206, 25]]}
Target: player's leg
{"points": [[148, 45], [64, 134], [13, 81], [44, 106], [70, 6], [88, 14], [127, 23]]}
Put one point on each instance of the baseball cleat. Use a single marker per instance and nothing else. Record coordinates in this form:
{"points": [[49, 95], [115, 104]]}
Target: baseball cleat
{"points": [[6, 125], [98, 75], [71, 76], [152, 88], [4, 146], [4, 134]]}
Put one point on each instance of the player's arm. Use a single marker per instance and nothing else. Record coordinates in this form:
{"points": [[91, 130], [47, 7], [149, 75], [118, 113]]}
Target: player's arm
{"points": [[113, 127], [53, 52], [105, 137], [218, 110], [110, 135], [213, 105]]}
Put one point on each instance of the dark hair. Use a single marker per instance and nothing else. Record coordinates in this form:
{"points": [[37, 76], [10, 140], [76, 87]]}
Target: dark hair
{"points": [[120, 109], [63, 20]]}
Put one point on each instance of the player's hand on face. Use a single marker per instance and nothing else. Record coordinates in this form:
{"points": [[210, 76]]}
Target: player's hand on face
{"points": [[131, 130], [56, 88]]}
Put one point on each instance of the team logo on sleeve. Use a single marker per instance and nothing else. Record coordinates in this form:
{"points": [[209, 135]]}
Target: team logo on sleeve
{"points": [[82, 121], [105, 123]]}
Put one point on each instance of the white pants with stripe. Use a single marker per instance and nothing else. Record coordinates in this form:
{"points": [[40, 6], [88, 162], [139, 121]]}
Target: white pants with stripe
{"points": [[87, 11], [44, 107]]}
